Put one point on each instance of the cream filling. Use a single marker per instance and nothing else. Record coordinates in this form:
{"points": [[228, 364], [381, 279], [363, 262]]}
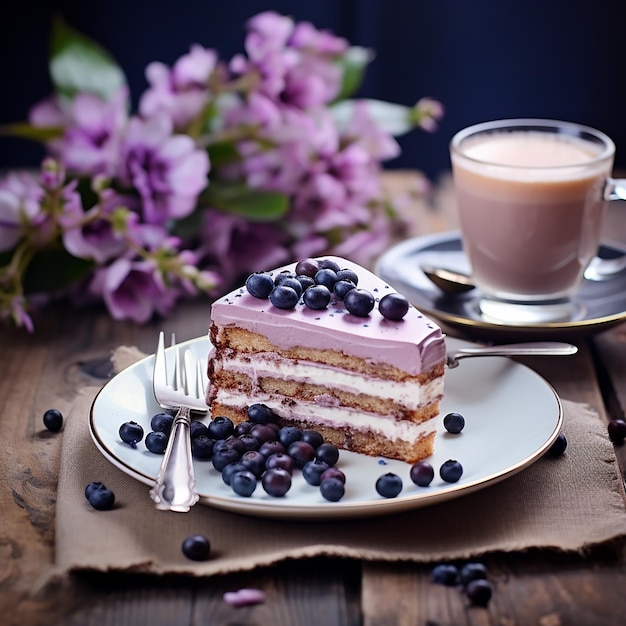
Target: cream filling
{"points": [[407, 394], [333, 417]]}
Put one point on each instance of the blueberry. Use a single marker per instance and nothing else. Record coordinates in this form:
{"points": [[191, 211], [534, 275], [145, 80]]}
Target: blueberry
{"points": [[221, 427], [276, 482], [261, 414], [422, 473], [284, 297], [342, 287], [102, 499], [313, 470], [479, 592], [389, 485], [294, 283], [312, 437], [281, 460], [253, 461], [288, 434], [393, 306], [472, 571], [347, 274], [332, 489], [271, 447], [131, 433], [263, 433], [328, 453], [307, 267], [281, 277], [326, 277], [317, 297], [359, 302], [224, 455], [53, 420], [333, 472], [243, 483], [230, 470], [156, 442], [243, 428], [305, 281], [196, 548], [454, 423], [451, 471], [162, 423], [197, 428], [445, 574], [329, 264], [93, 486], [617, 430], [301, 452], [259, 284], [558, 447], [202, 448]]}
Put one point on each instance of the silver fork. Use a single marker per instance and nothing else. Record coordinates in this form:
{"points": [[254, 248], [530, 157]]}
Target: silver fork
{"points": [[175, 485]]}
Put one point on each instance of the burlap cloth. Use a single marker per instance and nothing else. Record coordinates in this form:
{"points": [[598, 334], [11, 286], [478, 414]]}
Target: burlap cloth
{"points": [[567, 504]]}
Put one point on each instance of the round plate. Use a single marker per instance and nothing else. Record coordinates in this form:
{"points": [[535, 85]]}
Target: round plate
{"points": [[597, 305], [512, 417]]}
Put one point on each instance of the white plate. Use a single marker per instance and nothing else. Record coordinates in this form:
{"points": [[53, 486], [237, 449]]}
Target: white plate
{"points": [[597, 305], [512, 417]]}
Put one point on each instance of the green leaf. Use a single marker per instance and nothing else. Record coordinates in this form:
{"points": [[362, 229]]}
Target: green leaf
{"points": [[79, 64], [395, 119], [26, 131], [53, 269], [353, 64], [254, 204], [223, 153]]}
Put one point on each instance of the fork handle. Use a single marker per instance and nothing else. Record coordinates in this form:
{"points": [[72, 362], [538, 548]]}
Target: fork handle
{"points": [[175, 485]]}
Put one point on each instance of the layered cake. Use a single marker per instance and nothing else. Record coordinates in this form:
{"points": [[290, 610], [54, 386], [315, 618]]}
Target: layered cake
{"points": [[343, 355]]}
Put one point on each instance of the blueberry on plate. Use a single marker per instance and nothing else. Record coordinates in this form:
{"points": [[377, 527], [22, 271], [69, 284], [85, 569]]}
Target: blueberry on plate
{"points": [[243, 483], [156, 442], [451, 471], [332, 489], [162, 422], [131, 433], [422, 473], [389, 485], [454, 423]]}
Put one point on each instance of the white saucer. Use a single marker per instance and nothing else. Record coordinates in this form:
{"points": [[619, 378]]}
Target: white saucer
{"points": [[597, 305]]}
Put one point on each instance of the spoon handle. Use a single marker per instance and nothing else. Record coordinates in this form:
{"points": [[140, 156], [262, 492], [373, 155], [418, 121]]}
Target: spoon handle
{"points": [[533, 348]]}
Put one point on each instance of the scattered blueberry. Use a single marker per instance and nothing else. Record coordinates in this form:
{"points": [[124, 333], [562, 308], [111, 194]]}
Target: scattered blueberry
{"points": [[163, 422], [454, 423], [197, 428], [283, 276], [259, 284], [224, 455], [393, 306], [156, 442], [347, 274], [221, 427], [479, 592], [301, 452], [617, 430], [231, 469], [305, 281], [445, 574], [326, 277], [53, 420], [332, 489], [558, 447], [196, 548], [422, 473], [312, 437], [284, 297], [451, 471], [248, 442], [243, 428], [359, 302], [317, 297], [202, 448], [263, 433], [294, 283], [131, 433], [342, 287], [243, 483], [330, 264], [328, 453], [288, 434], [472, 571], [276, 482], [93, 486], [333, 472], [271, 447], [313, 470], [261, 414], [280, 460], [307, 267], [254, 461], [389, 485], [102, 499]]}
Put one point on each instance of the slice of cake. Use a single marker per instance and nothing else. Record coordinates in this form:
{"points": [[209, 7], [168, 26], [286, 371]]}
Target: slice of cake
{"points": [[329, 346]]}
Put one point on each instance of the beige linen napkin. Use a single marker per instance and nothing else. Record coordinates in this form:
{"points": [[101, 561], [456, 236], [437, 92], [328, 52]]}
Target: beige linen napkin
{"points": [[569, 504]]}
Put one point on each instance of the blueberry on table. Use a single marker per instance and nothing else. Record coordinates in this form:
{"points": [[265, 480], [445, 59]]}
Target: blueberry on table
{"points": [[559, 446], [196, 548], [445, 574], [260, 285], [393, 306], [454, 423], [53, 420], [389, 485], [472, 571], [479, 592], [332, 489], [131, 433], [101, 499], [422, 473], [359, 302], [93, 486], [451, 471], [617, 430], [156, 442]]}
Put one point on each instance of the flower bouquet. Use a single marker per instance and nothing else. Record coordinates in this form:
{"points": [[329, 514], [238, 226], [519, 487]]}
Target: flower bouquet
{"points": [[226, 168]]}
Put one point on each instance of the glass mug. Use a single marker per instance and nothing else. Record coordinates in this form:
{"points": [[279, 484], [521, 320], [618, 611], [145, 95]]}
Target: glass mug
{"points": [[531, 195]]}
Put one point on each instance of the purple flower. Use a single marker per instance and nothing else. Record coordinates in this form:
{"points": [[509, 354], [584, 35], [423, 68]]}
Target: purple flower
{"points": [[182, 92], [168, 171], [133, 290]]}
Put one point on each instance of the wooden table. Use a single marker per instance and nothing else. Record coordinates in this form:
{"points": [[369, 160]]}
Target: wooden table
{"points": [[70, 348]]}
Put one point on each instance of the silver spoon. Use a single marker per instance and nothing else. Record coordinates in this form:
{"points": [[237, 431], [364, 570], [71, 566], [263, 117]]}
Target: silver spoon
{"points": [[532, 348], [454, 281]]}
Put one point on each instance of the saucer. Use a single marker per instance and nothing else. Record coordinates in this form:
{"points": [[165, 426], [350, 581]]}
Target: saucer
{"points": [[597, 306]]}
